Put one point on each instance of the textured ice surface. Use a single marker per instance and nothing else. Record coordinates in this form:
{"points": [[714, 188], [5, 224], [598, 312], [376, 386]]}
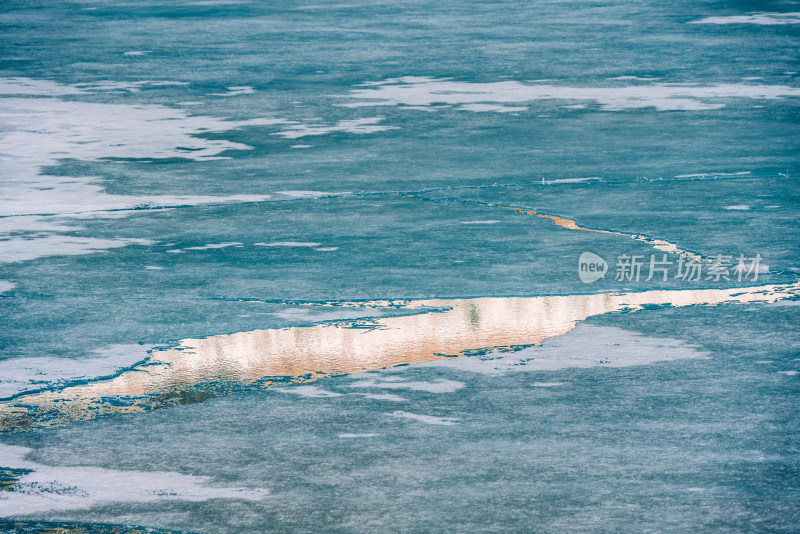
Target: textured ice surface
{"points": [[586, 346], [608, 446], [129, 131], [427, 419]]}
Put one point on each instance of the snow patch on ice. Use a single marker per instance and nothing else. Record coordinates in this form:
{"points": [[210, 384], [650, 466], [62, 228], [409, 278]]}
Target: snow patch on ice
{"points": [[289, 244], [308, 391], [383, 396], [6, 286], [211, 246], [636, 78], [762, 19], [712, 174], [364, 125], [425, 91], [304, 194], [492, 107], [25, 374], [17, 249], [435, 386], [53, 488], [41, 131], [427, 419], [236, 91]]}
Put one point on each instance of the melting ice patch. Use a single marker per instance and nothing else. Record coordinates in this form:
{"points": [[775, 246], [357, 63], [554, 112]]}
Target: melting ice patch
{"points": [[762, 19], [51, 488], [583, 347], [25, 374], [425, 92]]}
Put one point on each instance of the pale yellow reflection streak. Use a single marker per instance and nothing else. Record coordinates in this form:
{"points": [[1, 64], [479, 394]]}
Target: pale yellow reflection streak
{"points": [[309, 352], [658, 244], [571, 224]]}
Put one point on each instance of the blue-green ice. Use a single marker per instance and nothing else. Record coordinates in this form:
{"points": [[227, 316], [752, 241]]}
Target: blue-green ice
{"points": [[313, 266]]}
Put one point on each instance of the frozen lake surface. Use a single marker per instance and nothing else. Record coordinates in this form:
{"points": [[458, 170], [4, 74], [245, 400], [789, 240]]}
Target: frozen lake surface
{"points": [[314, 266]]}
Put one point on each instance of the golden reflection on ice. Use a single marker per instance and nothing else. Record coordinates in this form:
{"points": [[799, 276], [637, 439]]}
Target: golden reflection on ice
{"points": [[658, 244], [571, 224], [201, 368]]}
